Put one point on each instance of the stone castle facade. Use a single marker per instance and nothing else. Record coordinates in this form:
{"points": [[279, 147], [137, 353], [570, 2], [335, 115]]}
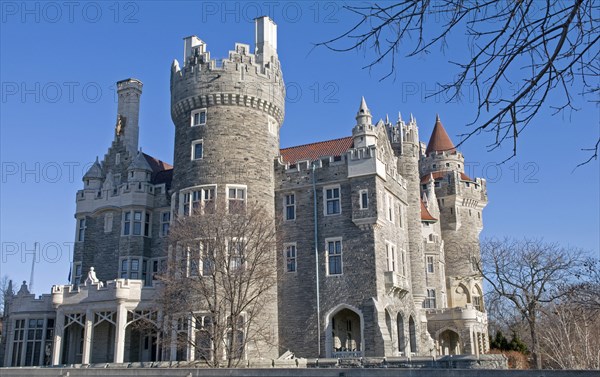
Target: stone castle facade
{"points": [[378, 230]]}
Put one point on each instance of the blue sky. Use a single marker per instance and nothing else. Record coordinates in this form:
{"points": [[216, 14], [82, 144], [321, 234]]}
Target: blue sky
{"points": [[59, 64]]}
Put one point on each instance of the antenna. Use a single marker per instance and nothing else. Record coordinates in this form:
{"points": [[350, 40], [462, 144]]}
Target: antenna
{"points": [[32, 267]]}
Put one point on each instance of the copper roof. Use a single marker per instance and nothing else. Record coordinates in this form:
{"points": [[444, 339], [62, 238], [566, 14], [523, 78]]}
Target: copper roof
{"points": [[314, 151], [442, 174], [425, 215], [439, 140]]}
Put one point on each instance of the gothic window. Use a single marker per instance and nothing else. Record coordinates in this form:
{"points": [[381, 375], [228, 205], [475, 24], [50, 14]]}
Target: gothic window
{"points": [[130, 268], [147, 224], [334, 256], [126, 223], [137, 223], [81, 230], [402, 262], [332, 200], [429, 302], [390, 256], [364, 199], [77, 273], [290, 257], [200, 200], [18, 340], [197, 150], [430, 264], [389, 203], [198, 117], [236, 199], [290, 207], [237, 258], [165, 220]]}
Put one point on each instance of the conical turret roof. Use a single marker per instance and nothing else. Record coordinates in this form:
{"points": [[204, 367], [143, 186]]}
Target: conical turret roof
{"points": [[95, 171], [439, 140], [140, 163], [363, 109]]}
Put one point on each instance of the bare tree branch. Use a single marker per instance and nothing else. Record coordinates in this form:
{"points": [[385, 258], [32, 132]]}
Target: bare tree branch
{"points": [[521, 52]]}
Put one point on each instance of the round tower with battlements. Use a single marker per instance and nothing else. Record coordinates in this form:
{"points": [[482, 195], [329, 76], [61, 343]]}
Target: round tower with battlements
{"points": [[227, 116], [461, 200]]}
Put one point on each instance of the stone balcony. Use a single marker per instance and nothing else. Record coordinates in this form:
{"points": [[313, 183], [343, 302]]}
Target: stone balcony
{"points": [[396, 282]]}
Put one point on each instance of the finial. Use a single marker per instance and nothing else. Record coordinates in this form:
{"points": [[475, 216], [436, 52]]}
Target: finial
{"points": [[412, 119], [387, 119], [431, 178], [437, 118], [399, 117]]}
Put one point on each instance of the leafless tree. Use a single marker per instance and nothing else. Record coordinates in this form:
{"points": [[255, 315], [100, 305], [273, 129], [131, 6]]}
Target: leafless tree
{"points": [[529, 274], [4, 287], [220, 279], [570, 335], [521, 54]]}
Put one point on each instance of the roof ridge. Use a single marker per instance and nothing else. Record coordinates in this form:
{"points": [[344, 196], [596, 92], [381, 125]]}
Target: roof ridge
{"points": [[316, 142]]}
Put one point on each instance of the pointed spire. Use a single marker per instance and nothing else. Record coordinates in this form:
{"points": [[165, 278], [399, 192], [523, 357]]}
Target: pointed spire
{"points": [[363, 109], [387, 119], [399, 117], [363, 117], [439, 140]]}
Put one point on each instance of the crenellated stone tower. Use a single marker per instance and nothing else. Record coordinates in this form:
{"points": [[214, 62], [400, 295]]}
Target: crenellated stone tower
{"points": [[227, 116], [460, 200]]}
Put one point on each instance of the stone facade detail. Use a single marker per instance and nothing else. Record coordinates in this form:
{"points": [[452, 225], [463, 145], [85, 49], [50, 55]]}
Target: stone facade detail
{"points": [[376, 232]]}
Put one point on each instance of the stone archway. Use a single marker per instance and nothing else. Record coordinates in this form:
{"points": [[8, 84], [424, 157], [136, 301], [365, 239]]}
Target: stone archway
{"points": [[344, 332], [449, 341], [141, 337], [401, 334]]}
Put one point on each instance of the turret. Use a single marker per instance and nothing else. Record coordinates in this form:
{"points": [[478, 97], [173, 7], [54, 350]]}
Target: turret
{"points": [[128, 110], [93, 177], [461, 201], [408, 165], [265, 40], [139, 170], [227, 117], [364, 133]]}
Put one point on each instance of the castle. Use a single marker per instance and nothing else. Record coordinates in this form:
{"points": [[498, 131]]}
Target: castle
{"points": [[393, 224]]}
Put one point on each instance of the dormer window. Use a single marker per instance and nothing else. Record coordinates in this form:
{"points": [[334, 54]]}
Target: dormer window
{"points": [[198, 117]]}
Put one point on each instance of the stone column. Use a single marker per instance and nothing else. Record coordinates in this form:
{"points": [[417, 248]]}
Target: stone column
{"points": [[87, 336], [120, 332], [58, 336]]}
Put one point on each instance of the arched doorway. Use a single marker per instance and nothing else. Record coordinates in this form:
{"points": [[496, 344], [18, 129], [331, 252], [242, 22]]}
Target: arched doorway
{"points": [[344, 333], [449, 343], [141, 337], [412, 334], [73, 336], [401, 334], [103, 338]]}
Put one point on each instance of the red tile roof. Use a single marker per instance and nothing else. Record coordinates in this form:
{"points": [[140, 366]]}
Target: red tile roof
{"points": [[161, 171], [439, 140], [425, 215], [314, 151], [442, 174]]}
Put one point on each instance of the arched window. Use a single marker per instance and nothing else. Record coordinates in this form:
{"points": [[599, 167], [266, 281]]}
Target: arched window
{"points": [[401, 336], [412, 333]]}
